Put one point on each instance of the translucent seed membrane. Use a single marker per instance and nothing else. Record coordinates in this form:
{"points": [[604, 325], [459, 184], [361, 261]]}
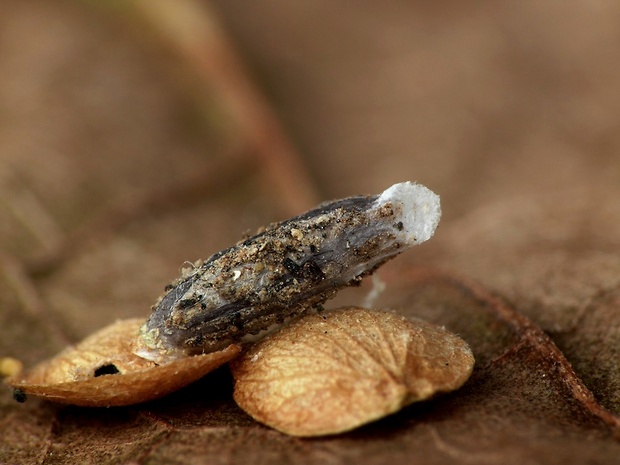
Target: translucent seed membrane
{"points": [[291, 267]]}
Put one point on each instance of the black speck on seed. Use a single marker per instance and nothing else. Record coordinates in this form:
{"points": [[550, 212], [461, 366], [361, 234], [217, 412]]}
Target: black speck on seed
{"points": [[291, 266], [312, 271], [400, 226], [187, 303], [169, 287], [19, 395], [109, 369]]}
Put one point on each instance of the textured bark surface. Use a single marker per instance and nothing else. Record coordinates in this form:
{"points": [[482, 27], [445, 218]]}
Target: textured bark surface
{"points": [[118, 163]]}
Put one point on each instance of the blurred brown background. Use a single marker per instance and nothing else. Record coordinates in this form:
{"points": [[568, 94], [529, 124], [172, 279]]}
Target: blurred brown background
{"points": [[137, 135], [468, 97]]}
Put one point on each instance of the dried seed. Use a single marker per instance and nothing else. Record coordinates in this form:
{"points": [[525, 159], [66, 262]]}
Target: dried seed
{"points": [[330, 373], [103, 370], [285, 270]]}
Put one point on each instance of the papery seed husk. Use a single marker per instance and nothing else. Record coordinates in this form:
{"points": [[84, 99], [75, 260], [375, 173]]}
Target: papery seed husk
{"points": [[70, 376], [333, 372]]}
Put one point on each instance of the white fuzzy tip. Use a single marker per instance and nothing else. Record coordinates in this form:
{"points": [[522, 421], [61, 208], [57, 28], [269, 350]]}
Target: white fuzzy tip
{"points": [[416, 207]]}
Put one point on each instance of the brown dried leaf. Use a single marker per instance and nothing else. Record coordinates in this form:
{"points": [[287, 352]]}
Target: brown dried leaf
{"points": [[332, 372], [72, 377], [485, 79]]}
